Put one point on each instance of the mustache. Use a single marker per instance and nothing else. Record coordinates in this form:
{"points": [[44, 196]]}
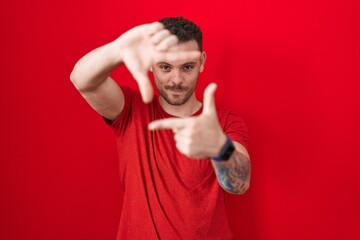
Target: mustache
{"points": [[177, 87]]}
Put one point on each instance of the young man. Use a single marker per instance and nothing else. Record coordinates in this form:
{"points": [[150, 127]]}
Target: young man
{"points": [[176, 153]]}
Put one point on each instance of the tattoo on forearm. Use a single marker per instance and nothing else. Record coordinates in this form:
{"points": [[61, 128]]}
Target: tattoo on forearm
{"points": [[234, 174]]}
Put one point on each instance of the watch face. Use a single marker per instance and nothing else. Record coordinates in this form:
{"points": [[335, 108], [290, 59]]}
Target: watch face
{"points": [[229, 150]]}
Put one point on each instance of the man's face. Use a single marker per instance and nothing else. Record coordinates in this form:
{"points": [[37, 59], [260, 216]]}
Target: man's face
{"points": [[176, 79]]}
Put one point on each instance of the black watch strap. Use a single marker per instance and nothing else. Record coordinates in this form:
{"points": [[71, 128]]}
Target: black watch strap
{"points": [[226, 150]]}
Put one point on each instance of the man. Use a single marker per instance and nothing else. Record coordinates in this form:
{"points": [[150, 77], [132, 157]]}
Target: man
{"points": [[176, 153]]}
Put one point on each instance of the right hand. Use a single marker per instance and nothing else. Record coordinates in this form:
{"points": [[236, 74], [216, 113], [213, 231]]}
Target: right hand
{"points": [[139, 47]]}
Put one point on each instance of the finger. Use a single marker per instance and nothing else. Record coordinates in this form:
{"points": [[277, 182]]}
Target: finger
{"points": [[173, 56], [209, 101], [145, 87], [177, 138], [168, 123], [154, 28], [159, 36], [180, 147], [167, 42]]}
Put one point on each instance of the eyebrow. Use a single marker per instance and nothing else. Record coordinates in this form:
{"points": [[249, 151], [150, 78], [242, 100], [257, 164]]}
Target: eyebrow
{"points": [[187, 63]]}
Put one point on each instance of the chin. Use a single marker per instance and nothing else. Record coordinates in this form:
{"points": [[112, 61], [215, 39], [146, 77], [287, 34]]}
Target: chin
{"points": [[173, 102], [175, 99]]}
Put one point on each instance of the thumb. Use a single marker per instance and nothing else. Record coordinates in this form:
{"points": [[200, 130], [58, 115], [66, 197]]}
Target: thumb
{"points": [[145, 87], [209, 101]]}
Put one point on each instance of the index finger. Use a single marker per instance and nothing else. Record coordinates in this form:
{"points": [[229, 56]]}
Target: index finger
{"points": [[168, 123]]}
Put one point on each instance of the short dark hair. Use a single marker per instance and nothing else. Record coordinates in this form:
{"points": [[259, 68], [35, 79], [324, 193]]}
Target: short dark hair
{"points": [[184, 29]]}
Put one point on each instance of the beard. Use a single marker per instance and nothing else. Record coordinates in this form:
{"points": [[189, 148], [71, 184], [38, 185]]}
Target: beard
{"points": [[176, 95]]}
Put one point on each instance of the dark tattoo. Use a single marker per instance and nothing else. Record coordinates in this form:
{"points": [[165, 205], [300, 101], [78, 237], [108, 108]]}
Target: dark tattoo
{"points": [[234, 174]]}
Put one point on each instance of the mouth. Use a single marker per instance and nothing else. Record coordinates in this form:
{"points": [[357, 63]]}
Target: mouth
{"points": [[176, 89]]}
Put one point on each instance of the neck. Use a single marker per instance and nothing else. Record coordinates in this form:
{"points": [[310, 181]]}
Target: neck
{"points": [[185, 110]]}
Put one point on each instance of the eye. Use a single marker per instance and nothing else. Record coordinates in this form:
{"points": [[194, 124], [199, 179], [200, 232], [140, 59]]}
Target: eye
{"points": [[188, 68], [165, 68]]}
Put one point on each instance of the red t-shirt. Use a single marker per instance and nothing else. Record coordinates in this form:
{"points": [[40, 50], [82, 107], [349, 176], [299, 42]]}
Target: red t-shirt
{"points": [[167, 195]]}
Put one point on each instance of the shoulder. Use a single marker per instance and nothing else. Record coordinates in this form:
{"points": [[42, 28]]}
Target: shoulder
{"points": [[132, 105], [233, 125], [130, 93], [226, 114]]}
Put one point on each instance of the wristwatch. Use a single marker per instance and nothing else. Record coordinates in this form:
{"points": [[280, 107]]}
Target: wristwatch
{"points": [[226, 151]]}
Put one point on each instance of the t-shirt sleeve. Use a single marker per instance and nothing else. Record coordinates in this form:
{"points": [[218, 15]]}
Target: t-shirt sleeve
{"points": [[120, 124], [235, 128]]}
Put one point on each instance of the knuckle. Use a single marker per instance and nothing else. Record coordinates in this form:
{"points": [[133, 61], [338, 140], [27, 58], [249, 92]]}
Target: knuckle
{"points": [[187, 151], [177, 138]]}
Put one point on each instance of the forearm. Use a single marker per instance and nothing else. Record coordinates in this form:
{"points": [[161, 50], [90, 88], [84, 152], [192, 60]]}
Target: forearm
{"points": [[93, 68], [234, 175]]}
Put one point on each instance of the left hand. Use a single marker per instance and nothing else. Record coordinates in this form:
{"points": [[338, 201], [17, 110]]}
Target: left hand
{"points": [[200, 136]]}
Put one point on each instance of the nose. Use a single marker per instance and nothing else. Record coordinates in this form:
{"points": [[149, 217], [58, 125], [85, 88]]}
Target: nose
{"points": [[177, 77]]}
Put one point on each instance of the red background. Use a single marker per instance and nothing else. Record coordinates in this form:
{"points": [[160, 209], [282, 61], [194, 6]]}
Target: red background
{"points": [[291, 68]]}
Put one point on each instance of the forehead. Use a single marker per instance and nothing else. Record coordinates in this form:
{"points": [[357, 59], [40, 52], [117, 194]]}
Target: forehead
{"points": [[186, 46], [181, 53]]}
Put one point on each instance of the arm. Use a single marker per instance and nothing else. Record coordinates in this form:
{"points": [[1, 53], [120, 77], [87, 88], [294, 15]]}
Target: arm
{"points": [[234, 174], [91, 78], [136, 49]]}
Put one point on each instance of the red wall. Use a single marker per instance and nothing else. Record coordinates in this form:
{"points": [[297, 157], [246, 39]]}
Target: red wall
{"points": [[290, 67]]}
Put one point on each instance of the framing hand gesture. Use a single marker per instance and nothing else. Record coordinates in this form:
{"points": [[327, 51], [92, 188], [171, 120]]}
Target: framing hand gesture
{"points": [[200, 136], [141, 46]]}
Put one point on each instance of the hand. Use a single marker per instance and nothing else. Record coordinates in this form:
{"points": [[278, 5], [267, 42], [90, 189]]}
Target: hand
{"points": [[200, 136], [140, 46]]}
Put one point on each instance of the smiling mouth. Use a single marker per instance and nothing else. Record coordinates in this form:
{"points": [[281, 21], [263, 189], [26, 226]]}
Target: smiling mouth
{"points": [[176, 90]]}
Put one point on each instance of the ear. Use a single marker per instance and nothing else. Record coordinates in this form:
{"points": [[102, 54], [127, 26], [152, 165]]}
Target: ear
{"points": [[202, 60]]}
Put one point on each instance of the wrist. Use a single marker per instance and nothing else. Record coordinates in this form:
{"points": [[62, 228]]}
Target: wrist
{"points": [[226, 150], [221, 142], [116, 49]]}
